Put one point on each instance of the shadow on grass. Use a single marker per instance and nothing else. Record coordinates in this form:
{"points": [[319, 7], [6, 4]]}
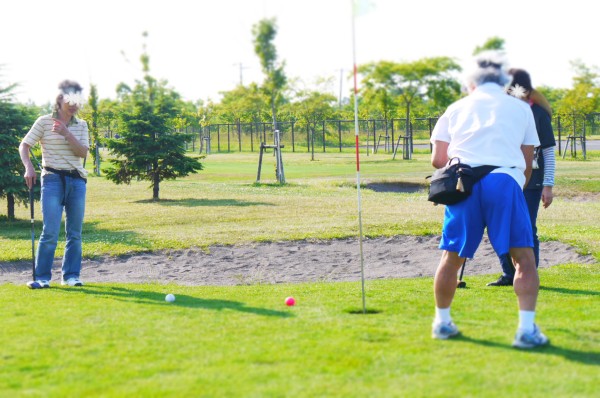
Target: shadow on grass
{"points": [[564, 290], [155, 298], [271, 184], [21, 231], [18, 230], [92, 234], [401, 187], [190, 202], [585, 357], [362, 311]]}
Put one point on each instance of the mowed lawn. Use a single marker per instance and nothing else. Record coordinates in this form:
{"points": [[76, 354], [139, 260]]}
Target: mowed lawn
{"points": [[117, 340], [223, 204], [122, 339]]}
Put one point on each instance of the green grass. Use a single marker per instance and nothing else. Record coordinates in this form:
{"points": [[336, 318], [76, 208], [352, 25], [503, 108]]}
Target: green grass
{"points": [[223, 204], [116, 340]]}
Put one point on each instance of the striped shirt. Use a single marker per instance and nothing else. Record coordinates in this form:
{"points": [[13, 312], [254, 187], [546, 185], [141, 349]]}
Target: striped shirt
{"points": [[56, 152]]}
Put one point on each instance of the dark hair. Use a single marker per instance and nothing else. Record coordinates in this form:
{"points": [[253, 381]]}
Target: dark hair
{"points": [[66, 87], [521, 77], [70, 86]]}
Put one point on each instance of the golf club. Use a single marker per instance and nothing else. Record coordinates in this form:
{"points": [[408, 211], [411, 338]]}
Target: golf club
{"points": [[460, 283], [32, 233], [31, 205]]}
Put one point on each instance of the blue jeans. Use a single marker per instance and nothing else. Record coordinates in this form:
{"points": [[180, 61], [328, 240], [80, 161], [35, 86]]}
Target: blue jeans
{"points": [[533, 198], [56, 197]]}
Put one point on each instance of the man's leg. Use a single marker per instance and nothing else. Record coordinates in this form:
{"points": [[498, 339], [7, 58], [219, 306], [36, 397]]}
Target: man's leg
{"points": [[526, 285], [526, 282], [444, 287], [444, 284]]}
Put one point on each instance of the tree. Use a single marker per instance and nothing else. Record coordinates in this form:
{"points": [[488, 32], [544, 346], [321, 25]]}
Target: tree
{"points": [[430, 79], [275, 81], [584, 97], [244, 103], [312, 107], [424, 80], [187, 117], [553, 95], [582, 100], [379, 102], [15, 121], [149, 147], [493, 43], [6, 92], [92, 114], [108, 111]]}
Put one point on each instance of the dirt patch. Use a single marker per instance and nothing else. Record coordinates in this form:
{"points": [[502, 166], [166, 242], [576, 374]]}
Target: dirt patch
{"points": [[290, 261]]}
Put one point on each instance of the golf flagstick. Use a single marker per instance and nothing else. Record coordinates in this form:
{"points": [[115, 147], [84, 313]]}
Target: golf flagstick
{"points": [[360, 231]]}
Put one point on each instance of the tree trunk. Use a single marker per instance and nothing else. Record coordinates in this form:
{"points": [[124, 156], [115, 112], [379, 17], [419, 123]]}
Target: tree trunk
{"points": [[155, 188], [156, 182], [10, 200], [273, 112]]}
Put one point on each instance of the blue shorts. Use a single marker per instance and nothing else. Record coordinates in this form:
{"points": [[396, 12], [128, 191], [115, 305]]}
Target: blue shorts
{"points": [[498, 203]]}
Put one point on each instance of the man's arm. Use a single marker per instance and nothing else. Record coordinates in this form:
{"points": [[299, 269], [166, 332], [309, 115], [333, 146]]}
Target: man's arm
{"points": [[439, 154]]}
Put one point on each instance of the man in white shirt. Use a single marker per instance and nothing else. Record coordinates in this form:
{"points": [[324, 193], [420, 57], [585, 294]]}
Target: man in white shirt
{"points": [[488, 127]]}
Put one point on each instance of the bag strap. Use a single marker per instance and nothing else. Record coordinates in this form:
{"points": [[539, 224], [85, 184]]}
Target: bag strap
{"points": [[449, 164], [481, 171], [451, 159]]}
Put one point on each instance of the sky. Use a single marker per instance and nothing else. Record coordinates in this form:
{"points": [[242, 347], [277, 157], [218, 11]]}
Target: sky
{"points": [[204, 47]]}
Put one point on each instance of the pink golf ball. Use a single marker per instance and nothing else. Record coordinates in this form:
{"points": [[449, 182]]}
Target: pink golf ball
{"points": [[290, 301]]}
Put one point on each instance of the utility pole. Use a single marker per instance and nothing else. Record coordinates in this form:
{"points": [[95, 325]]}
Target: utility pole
{"points": [[242, 67]]}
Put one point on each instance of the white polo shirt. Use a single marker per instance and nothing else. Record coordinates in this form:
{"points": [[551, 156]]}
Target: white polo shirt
{"points": [[488, 127], [56, 152]]}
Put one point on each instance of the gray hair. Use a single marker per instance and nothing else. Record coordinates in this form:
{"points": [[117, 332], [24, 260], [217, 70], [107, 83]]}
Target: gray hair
{"points": [[489, 67]]}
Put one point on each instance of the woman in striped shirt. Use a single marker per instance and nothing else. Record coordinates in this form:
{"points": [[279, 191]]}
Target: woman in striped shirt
{"points": [[64, 140]]}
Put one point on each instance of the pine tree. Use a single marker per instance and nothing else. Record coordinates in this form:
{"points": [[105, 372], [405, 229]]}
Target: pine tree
{"points": [[15, 121], [93, 128], [149, 147]]}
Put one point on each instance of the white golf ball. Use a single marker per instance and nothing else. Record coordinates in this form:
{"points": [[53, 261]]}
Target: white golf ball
{"points": [[169, 298]]}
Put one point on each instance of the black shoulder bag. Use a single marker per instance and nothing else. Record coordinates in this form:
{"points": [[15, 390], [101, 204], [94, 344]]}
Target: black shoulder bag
{"points": [[454, 182]]}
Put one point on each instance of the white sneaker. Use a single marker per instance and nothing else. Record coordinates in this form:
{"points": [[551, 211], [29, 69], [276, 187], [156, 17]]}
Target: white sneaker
{"points": [[530, 340], [72, 282], [39, 284], [444, 331]]}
